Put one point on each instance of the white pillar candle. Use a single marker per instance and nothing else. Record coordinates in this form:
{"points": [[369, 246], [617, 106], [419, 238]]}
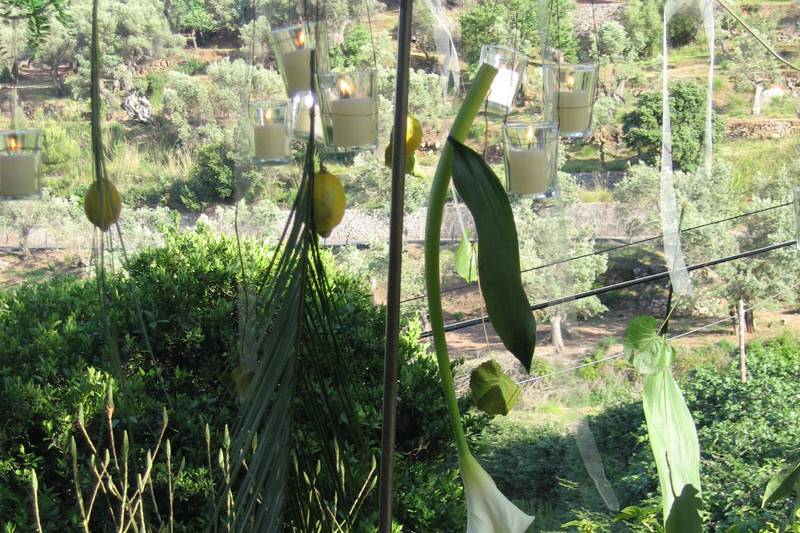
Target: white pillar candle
{"points": [[528, 171], [504, 88], [353, 122], [574, 109], [270, 141], [297, 68], [18, 174]]}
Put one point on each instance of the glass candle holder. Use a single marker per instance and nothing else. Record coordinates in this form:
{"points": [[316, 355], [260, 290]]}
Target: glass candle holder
{"points": [[271, 136], [569, 93], [510, 65], [349, 106], [19, 163], [293, 47], [530, 153], [300, 107]]}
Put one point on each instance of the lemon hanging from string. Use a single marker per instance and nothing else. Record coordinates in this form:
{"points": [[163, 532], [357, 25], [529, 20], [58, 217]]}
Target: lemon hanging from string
{"points": [[329, 202], [413, 141], [102, 212]]}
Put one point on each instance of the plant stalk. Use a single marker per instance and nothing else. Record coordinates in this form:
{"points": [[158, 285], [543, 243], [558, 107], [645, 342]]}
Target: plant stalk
{"points": [[433, 227]]}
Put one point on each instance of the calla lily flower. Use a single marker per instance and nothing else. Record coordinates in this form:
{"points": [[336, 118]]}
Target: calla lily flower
{"points": [[488, 510]]}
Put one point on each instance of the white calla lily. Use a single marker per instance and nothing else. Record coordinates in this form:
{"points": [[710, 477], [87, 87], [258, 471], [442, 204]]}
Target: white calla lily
{"points": [[488, 510]]}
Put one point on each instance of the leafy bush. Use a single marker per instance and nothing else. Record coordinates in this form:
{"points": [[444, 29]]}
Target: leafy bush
{"points": [[211, 179], [54, 358], [642, 126]]}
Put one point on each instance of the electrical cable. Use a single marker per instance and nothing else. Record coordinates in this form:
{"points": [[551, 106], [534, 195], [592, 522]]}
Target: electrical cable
{"points": [[614, 248], [621, 285], [618, 354]]}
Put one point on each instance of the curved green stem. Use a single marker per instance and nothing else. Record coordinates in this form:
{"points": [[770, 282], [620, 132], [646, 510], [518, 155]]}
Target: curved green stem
{"points": [[433, 227]]}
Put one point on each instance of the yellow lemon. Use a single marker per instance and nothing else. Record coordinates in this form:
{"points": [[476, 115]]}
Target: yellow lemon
{"points": [[106, 212], [328, 202], [413, 135]]}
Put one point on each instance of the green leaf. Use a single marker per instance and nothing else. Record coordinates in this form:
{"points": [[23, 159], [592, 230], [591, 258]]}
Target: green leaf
{"points": [[466, 259], [673, 439], [498, 253], [494, 392], [782, 484], [684, 517], [648, 351]]}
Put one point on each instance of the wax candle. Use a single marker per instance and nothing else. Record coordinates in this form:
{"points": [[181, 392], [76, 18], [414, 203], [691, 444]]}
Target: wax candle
{"points": [[270, 141], [353, 119], [504, 87], [574, 110], [18, 174], [528, 171], [297, 68]]}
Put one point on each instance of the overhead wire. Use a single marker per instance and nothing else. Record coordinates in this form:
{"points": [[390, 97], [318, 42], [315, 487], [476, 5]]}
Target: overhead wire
{"points": [[621, 285], [614, 248], [621, 353]]}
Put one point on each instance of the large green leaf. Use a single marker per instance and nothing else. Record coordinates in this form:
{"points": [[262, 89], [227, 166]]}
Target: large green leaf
{"points": [[498, 253], [670, 427], [493, 391], [466, 260], [782, 484]]}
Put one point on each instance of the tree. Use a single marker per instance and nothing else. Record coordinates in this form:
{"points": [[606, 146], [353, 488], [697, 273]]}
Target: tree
{"points": [[548, 236], [642, 20], [614, 42], [642, 126], [193, 16], [752, 67]]}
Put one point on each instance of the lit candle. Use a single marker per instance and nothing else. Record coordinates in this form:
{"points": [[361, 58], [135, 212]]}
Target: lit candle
{"points": [[297, 65], [269, 137], [528, 171], [17, 170], [353, 119], [503, 88], [574, 109]]}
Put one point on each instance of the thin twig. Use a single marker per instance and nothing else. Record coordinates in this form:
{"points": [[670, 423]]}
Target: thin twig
{"points": [[757, 37]]}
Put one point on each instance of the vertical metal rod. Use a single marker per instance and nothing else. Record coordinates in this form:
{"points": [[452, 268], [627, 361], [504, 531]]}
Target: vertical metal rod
{"points": [[390, 366], [742, 352]]}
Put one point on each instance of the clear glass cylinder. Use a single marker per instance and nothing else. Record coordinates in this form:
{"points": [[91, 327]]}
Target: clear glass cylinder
{"points": [[511, 65], [530, 154], [349, 107], [20, 152], [293, 46], [301, 106], [569, 94], [271, 133]]}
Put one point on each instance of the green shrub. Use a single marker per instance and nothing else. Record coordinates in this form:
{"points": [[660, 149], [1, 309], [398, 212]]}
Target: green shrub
{"points": [[211, 179], [53, 359]]}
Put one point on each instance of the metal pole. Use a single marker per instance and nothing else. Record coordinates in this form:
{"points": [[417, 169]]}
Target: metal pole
{"points": [[390, 367]]}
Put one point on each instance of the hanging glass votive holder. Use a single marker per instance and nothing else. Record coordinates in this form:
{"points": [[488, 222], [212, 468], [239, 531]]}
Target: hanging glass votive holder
{"points": [[293, 47], [271, 133], [530, 153], [510, 65], [349, 108], [19, 163], [300, 111], [569, 94]]}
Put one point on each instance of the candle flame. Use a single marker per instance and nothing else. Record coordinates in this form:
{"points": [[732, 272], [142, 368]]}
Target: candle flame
{"points": [[570, 82], [268, 115], [345, 87], [299, 38], [530, 135], [13, 144]]}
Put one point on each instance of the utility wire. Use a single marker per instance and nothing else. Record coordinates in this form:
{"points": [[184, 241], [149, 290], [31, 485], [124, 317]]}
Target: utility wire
{"points": [[615, 248], [620, 353], [622, 285]]}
